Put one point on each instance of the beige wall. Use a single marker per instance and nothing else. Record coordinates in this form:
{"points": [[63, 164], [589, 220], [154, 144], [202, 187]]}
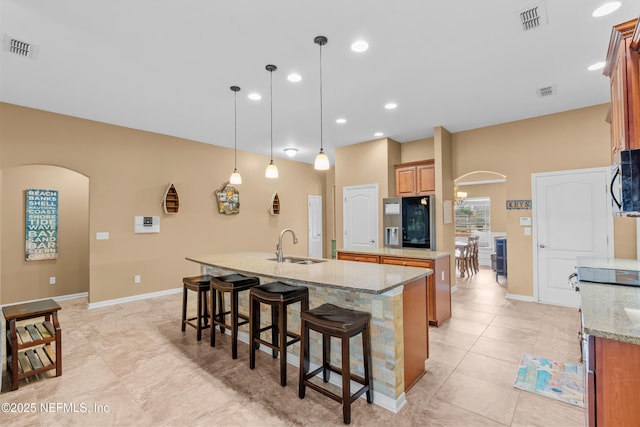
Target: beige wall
{"points": [[128, 172], [574, 139], [365, 163], [71, 268], [413, 151]]}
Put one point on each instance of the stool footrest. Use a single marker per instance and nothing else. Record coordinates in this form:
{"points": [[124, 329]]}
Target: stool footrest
{"points": [[337, 397]]}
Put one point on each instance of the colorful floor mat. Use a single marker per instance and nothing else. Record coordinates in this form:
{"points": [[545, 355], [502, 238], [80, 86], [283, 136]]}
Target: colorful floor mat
{"points": [[546, 377]]}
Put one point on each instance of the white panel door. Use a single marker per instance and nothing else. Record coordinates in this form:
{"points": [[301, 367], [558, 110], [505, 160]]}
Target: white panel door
{"points": [[361, 216], [315, 226], [573, 218]]}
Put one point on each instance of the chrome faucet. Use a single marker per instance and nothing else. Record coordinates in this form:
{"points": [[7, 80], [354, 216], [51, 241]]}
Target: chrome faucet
{"points": [[279, 254]]}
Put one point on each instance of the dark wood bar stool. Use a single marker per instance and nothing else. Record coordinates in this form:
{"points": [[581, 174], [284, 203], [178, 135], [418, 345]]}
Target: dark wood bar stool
{"points": [[200, 285], [278, 295], [342, 323], [232, 284]]}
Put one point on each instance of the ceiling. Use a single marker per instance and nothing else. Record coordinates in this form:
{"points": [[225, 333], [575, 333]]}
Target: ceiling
{"points": [[166, 66]]}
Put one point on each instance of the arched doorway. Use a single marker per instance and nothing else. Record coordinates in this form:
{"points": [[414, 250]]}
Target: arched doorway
{"points": [[30, 280], [480, 199]]}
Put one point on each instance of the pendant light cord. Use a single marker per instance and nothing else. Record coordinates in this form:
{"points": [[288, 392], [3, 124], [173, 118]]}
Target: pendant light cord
{"points": [[321, 147], [271, 106], [235, 131]]}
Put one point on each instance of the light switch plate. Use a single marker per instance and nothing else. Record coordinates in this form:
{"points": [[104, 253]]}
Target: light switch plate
{"points": [[102, 235]]}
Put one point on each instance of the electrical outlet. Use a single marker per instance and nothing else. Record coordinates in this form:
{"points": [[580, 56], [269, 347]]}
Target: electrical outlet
{"points": [[52, 280], [376, 308], [136, 278]]}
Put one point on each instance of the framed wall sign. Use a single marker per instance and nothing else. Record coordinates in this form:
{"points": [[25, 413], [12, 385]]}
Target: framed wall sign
{"points": [[41, 224]]}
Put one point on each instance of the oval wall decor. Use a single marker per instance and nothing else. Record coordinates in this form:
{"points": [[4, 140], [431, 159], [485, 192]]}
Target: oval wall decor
{"points": [[228, 200]]}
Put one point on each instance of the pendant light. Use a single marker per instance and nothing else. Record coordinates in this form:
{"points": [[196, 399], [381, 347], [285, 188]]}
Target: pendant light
{"points": [[272, 170], [235, 176], [322, 160]]}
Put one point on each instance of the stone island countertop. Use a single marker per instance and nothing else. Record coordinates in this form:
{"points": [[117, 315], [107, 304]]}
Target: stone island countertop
{"points": [[611, 311], [361, 277]]}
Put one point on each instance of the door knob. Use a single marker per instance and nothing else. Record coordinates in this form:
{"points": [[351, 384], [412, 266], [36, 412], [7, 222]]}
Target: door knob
{"points": [[542, 245]]}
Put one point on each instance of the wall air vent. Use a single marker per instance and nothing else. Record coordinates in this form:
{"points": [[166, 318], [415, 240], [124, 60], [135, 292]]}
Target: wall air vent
{"points": [[533, 17], [19, 47], [546, 91]]}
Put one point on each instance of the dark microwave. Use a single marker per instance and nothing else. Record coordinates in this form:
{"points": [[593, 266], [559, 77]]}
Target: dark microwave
{"points": [[625, 184]]}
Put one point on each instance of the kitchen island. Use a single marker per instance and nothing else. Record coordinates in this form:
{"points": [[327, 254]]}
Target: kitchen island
{"points": [[439, 283], [396, 297], [610, 316]]}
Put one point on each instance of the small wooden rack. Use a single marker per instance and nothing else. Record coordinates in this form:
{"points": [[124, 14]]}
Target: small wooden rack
{"points": [[30, 346], [170, 200], [274, 204]]}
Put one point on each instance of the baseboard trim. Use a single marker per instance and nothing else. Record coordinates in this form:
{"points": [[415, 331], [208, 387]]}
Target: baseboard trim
{"points": [[56, 298], [520, 297], [133, 298]]}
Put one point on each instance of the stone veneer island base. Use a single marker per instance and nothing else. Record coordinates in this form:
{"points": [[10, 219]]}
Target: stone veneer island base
{"points": [[395, 296]]}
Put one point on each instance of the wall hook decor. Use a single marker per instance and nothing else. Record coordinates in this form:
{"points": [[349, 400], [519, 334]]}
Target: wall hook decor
{"points": [[228, 200]]}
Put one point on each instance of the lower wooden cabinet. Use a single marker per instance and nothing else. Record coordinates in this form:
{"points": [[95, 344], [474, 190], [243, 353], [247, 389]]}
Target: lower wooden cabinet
{"points": [[613, 382], [438, 283], [416, 331]]}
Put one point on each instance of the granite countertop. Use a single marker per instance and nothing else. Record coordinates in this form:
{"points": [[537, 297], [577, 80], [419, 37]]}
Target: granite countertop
{"points": [[609, 263], [359, 276], [403, 252], [611, 311]]}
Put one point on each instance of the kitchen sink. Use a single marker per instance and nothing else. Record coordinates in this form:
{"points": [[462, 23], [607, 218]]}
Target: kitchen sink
{"points": [[294, 260]]}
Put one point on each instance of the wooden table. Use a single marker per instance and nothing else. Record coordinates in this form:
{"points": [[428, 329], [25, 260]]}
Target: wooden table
{"points": [[29, 350]]}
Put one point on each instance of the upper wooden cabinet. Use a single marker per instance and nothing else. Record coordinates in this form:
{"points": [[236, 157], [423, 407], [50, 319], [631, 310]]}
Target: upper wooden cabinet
{"points": [[415, 179], [623, 68]]}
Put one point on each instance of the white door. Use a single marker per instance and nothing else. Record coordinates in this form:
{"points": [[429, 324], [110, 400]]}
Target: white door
{"points": [[361, 216], [572, 215], [315, 226]]}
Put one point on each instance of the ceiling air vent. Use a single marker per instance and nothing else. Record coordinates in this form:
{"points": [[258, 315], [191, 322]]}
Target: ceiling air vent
{"points": [[19, 47], [546, 91], [533, 17]]}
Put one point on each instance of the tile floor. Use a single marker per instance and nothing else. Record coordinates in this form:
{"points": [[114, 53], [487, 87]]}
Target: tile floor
{"points": [[130, 364]]}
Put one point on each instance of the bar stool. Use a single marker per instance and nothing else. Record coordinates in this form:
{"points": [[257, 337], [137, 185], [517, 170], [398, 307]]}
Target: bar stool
{"points": [[233, 284], [278, 295], [200, 285], [342, 323]]}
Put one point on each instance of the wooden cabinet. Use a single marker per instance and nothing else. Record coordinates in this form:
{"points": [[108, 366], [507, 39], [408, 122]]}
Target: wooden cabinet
{"points": [[439, 290], [415, 330], [359, 257], [613, 381], [415, 179], [30, 348], [438, 284], [623, 69]]}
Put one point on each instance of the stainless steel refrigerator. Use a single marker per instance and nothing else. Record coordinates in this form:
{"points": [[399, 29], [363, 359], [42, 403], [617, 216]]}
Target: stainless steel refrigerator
{"points": [[409, 222]]}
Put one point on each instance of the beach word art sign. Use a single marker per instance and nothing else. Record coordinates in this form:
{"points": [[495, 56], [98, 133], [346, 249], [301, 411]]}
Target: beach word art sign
{"points": [[41, 224]]}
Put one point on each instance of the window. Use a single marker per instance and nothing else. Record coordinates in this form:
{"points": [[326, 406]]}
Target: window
{"points": [[473, 214]]}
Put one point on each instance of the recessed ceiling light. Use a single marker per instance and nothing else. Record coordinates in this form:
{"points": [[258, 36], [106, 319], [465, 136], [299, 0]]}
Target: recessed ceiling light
{"points": [[606, 9], [254, 96], [294, 77], [290, 151], [378, 134], [341, 120], [596, 66], [359, 46], [390, 105]]}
